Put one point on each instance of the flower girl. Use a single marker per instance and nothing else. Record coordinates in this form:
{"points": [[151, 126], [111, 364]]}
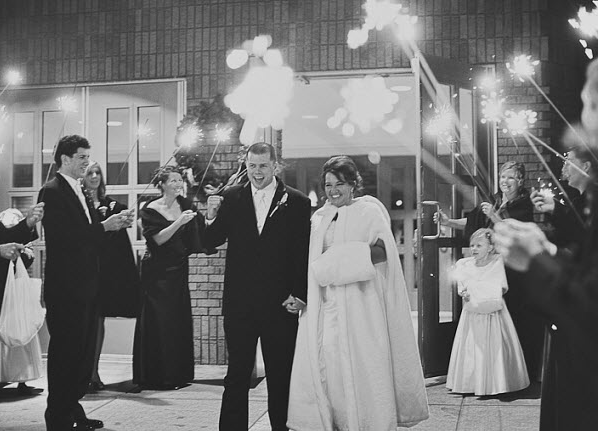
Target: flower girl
{"points": [[486, 357]]}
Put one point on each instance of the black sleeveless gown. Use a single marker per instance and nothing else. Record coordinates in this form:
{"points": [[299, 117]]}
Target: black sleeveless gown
{"points": [[163, 352]]}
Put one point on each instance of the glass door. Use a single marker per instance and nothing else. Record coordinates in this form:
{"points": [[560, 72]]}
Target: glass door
{"points": [[453, 164]]}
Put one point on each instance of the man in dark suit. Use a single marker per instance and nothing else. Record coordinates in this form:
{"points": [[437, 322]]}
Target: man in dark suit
{"points": [[73, 236], [267, 226]]}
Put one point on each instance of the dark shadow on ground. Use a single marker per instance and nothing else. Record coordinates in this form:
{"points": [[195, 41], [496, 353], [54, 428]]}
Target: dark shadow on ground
{"points": [[530, 393], [9, 394], [221, 382]]}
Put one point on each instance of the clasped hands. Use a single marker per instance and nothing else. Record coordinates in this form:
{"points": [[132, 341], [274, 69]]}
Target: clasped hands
{"points": [[293, 305]]}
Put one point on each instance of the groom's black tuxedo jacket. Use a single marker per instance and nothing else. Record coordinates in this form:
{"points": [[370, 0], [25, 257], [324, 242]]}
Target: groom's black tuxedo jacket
{"points": [[72, 245], [262, 270]]}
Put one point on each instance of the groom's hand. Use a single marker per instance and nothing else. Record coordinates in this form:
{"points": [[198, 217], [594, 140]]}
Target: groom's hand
{"points": [[293, 305]]}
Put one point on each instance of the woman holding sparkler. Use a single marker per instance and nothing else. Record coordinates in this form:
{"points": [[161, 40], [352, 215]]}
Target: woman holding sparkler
{"points": [[564, 289], [119, 278], [163, 352], [512, 201], [568, 218]]}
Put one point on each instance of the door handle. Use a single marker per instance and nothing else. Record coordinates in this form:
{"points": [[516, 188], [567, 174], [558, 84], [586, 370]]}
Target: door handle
{"points": [[439, 225]]}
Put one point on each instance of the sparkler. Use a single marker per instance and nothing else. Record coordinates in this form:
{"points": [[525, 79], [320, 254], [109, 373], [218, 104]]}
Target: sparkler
{"points": [[189, 135], [492, 108], [221, 134], [517, 123], [522, 66], [12, 79], [441, 124], [67, 103]]}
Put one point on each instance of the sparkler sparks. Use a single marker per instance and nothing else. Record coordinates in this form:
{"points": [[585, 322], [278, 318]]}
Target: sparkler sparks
{"points": [[68, 104], [492, 108], [522, 66], [189, 136], [222, 134], [518, 123], [13, 78], [441, 124]]}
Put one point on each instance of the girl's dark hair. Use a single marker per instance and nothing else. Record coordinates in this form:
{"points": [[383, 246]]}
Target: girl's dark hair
{"points": [[161, 175], [344, 168], [102, 187]]}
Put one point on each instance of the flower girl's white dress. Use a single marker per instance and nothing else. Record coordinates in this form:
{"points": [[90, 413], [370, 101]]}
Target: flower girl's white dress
{"points": [[486, 358]]}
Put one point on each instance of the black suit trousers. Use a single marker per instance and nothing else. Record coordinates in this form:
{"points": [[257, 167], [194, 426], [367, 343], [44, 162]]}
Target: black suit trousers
{"points": [[277, 331], [73, 329]]}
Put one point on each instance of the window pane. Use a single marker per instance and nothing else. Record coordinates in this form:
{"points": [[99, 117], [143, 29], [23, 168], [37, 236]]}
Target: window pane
{"points": [[117, 146], [55, 125], [23, 150], [22, 203], [148, 132], [447, 287]]}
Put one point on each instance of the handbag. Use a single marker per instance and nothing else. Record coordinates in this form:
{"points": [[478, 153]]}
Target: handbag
{"points": [[22, 314]]}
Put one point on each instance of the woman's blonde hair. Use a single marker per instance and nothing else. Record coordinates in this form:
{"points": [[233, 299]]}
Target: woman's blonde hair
{"points": [[484, 233]]}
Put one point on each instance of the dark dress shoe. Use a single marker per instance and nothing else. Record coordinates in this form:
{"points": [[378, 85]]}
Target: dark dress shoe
{"points": [[81, 426], [23, 389], [95, 386], [88, 424]]}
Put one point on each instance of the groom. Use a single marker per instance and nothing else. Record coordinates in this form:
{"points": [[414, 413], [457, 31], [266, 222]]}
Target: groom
{"points": [[267, 226]]}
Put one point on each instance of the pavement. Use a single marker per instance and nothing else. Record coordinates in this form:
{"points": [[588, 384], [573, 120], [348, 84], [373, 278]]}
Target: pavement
{"points": [[196, 407]]}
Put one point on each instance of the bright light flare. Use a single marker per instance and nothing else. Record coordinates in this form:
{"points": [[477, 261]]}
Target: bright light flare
{"points": [[273, 58], [441, 124], [517, 123], [67, 104], [262, 99], [260, 45], [189, 135], [406, 27], [587, 22], [144, 131], [522, 66], [367, 101], [236, 59], [13, 78], [380, 13], [357, 37], [222, 134], [493, 109]]}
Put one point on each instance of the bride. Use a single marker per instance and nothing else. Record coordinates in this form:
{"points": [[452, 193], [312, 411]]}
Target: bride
{"points": [[356, 365]]}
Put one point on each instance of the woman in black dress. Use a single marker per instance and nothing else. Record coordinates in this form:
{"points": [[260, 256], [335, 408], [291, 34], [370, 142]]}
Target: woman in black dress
{"points": [[119, 278], [163, 352]]}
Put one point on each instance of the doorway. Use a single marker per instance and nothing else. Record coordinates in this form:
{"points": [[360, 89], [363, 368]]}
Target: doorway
{"points": [[409, 171]]}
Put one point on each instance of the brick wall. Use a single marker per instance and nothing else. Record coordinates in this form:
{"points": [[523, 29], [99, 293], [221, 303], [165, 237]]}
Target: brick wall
{"points": [[67, 41]]}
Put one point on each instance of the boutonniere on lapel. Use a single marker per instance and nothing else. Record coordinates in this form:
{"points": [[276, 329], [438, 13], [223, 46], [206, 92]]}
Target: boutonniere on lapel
{"points": [[281, 203]]}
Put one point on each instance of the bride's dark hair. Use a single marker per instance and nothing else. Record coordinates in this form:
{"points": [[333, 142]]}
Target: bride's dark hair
{"points": [[344, 168]]}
